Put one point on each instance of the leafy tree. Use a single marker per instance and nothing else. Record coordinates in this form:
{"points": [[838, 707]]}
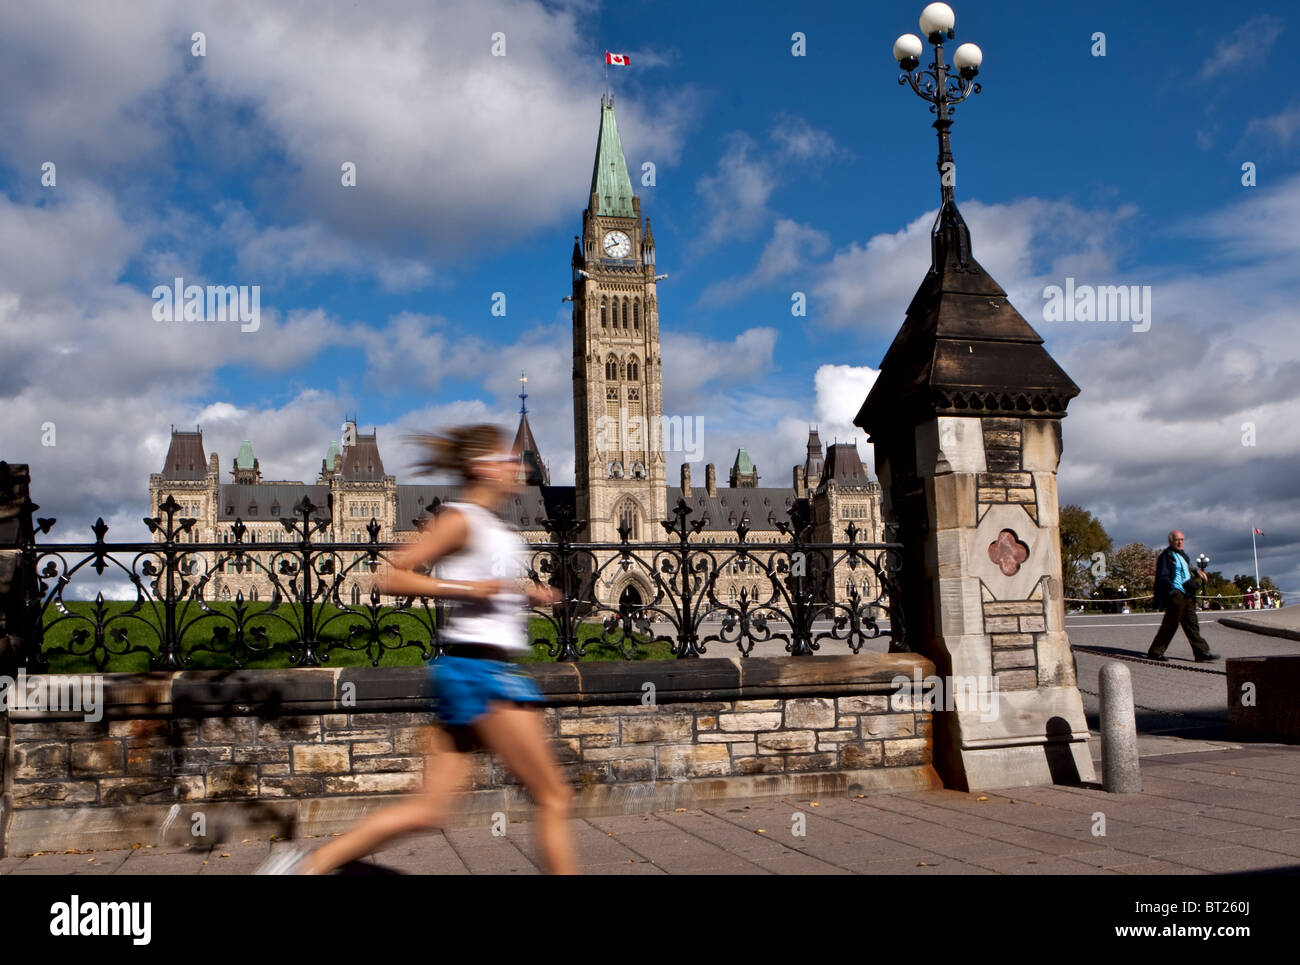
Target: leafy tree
{"points": [[1132, 566], [1082, 535], [1219, 585]]}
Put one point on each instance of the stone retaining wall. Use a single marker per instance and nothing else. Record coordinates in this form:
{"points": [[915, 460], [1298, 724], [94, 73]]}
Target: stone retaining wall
{"points": [[307, 751]]}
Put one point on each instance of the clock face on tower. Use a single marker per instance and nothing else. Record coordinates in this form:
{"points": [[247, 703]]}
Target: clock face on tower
{"points": [[617, 244]]}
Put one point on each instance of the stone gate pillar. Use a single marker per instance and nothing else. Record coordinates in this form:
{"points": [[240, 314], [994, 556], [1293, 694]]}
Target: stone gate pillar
{"points": [[966, 418], [15, 583]]}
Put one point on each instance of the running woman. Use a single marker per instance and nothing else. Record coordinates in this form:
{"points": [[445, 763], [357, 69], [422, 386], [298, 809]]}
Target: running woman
{"points": [[479, 693]]}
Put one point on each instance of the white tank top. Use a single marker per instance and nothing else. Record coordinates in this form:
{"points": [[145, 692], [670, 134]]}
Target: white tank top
{"points": [[493, 551]]}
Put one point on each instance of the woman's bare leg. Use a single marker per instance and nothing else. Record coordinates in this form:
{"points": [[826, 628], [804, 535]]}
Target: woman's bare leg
{"points": [[517, 736], [445, 772]]}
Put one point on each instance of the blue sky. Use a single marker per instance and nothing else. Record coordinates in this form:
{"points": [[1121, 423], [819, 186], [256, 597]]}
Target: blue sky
{"points": [[775, 174]]}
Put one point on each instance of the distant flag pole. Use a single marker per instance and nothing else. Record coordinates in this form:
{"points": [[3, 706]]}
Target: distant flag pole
{"points": [[1255, 550]]}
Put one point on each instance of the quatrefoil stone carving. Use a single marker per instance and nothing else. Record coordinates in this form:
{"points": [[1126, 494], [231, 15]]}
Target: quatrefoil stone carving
{"points": [[1008, 552]]}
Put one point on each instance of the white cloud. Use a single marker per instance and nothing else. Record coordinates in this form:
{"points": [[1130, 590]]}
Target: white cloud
{"points": [[790, 249], [446, 137], [1249, 42], [1280, 128]]}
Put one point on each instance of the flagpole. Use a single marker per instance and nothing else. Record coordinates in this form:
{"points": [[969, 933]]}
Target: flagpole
{"points": [[1255, 550]]}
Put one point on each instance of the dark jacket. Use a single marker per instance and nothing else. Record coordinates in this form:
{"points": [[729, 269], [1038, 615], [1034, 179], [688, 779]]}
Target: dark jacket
{"points": [[1165, 573]]}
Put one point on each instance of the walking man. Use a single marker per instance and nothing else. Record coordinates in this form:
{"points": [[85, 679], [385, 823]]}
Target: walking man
{"points": [[1176, 594]]}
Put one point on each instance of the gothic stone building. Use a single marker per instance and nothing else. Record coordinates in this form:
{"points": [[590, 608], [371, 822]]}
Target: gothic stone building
{"points": [[621, 469]]}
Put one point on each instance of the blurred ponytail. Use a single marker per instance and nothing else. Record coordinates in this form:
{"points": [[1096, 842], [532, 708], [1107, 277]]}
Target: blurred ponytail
{"points": [[452, 450]]}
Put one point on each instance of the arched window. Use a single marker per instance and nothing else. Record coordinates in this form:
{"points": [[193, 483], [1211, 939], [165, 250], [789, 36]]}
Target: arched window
{"points": [[604, 312], [636, 314], [356, 594], [632, 369], [611, 369], [625, 313], [252, 594], [225, 593], [629, 517]]}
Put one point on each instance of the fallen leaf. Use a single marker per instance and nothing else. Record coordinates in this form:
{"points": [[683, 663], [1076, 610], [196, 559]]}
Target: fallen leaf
{"points": [[679, 810], [816, 804], [227, 855], [922, 864], [761, 831], [981, 799]]}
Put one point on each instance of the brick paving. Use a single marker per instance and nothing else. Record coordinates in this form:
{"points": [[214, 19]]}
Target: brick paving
{"points": [[1224, 809]]}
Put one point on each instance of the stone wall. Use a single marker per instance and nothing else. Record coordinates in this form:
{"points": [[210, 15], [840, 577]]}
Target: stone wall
{"points": [[307, 751]]}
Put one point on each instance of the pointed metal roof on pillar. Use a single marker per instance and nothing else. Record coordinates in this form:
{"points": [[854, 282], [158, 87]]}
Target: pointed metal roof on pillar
{"points": [[963, 348]]}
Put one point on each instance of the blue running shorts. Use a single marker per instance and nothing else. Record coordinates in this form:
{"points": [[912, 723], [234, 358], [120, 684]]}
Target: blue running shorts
{"points": [[462, 687]]}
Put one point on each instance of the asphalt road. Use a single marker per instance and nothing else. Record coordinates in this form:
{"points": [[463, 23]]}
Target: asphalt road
{"points": [[1177, 697]]}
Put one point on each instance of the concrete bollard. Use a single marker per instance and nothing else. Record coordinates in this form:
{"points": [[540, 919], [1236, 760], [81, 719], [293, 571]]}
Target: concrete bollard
{"points": [[1121, 773]]}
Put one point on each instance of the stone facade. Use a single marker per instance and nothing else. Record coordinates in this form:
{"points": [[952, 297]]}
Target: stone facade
{"points": [[719, 728]]}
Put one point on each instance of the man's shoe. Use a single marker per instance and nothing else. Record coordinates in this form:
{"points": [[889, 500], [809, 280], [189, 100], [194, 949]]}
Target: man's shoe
{"points": [[1207, 657], [1158, 656]]}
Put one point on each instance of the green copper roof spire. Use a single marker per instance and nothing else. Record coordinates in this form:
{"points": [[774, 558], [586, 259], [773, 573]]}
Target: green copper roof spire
{"points": [[609, 178], [245, 458]]}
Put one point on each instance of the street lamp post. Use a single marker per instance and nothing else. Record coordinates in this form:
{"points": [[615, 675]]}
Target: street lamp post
{"points": [[1203, 564], [935, 84]]}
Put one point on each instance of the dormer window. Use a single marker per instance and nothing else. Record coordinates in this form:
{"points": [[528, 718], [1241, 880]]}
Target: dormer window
{"points": [[252, 509]]}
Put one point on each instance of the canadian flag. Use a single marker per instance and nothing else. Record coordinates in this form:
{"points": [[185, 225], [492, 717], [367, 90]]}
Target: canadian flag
{"points": [[1260, 532], [618, 60]]}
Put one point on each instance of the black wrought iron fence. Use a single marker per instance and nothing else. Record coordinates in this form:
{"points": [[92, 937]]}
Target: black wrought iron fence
{"points": [[311, 608]]}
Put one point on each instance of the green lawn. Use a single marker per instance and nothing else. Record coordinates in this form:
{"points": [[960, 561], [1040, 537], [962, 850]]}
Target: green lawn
{"points": [[208, 637]]}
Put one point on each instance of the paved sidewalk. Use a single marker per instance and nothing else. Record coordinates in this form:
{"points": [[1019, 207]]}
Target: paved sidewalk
{"points": [[1284, 622], [1209, 811]]}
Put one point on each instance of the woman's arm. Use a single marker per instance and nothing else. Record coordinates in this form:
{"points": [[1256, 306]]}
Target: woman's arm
{"points": [[448, 534]]}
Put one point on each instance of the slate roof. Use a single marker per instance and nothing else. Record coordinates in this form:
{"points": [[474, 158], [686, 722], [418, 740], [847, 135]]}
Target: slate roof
{"points": [[185, 458], [238, 499], [530, 456], [361, 462], [844, 465], [732, 504]]}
